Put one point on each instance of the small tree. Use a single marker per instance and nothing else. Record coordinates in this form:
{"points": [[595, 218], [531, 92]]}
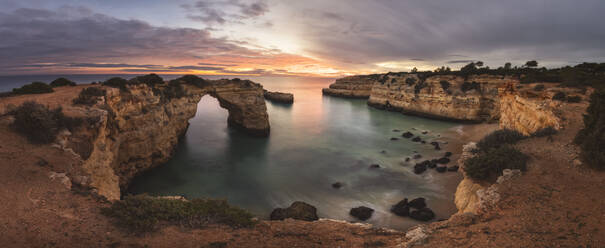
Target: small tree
{"points": [[531, 64], [507, 66], [414, 70]]}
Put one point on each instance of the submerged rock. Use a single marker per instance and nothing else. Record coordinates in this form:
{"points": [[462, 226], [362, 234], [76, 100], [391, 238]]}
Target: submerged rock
{"points": [[298, 211], [394, 138], [417, 203], [396, 130], [419, 168], [416, 139], [441, 169], [424, 214], [278, 97], [407, 135], [453, 168], [337, 185], [401, 208], [417, 156], [374, 166], [443, 160], [448, 154], [361, 213]]}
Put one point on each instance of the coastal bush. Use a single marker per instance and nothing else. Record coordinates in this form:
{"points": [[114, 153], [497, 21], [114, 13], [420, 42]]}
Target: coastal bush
{"points": [[574, 99], [193, 80], [499, 138], [490, 164], [150, 80], [418, 87], [62, 82], [142, 213], [410, 81], [539, 87], [559, 96], [548, 131], [116, 82], [89, 96], [33, 88], [40, 124], [591, 138]]}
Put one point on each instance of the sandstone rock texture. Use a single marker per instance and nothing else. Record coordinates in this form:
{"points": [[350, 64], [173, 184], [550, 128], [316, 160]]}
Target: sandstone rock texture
{"points": [[352, 87], [279, 97], [131, 130], [472, 98]]}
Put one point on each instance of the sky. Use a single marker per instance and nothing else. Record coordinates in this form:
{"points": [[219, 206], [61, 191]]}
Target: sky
{"points": [[294, 38]]}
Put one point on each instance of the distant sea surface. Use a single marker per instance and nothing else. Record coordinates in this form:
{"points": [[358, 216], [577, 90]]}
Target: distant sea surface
{"points": [[317, 141]]}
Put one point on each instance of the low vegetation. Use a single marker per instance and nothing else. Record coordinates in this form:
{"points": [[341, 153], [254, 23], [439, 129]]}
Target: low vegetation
{"points": [[559, 96], [89, 96], [591, 138], [466, 86], [34, 88], [116, 82], [539, 87], [574, 99], [499, 138], [40, 124], [62, 82], [142, 213], [490, 164], [548, 131], [192, 80], [150, 80]]}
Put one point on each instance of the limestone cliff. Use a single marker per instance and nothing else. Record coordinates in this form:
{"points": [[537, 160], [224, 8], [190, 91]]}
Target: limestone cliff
{"points": [[352, 87], [137, 127], [528, 111]]}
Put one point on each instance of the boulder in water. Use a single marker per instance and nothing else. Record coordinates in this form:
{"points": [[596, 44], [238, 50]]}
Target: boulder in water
{"points": [[443, 160], [298, 211], [416, 139], [448, 154], [361, 213], [417, 156], [441, 169], [374, 166], [401, 208], [279, 97], [407, 135], [393, 138], [423, 214], [417, 203], [419, 168], [337, 185], [453, 168]]}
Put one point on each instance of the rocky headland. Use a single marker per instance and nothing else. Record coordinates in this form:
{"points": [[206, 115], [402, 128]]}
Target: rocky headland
{"points": [[279, 97]]}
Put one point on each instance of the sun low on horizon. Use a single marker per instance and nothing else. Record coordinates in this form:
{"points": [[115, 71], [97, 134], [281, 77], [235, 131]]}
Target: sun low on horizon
{"points": [[289, 38]]}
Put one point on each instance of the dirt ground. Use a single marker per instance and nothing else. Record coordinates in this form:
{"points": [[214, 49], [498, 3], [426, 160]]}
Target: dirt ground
{"points": [[557, 203]]}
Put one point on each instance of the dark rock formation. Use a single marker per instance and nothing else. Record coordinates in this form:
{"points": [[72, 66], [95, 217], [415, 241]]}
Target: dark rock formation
{"points": [[393, 138], [441, 169], [396, 130], [423, 214], [416, 139], [361, 213], [374, 166], [279, 97], [298, 211], [401, 208], [448, 154], [453, 168], [419, 168], [407, 135], [443, 160], [337, 185], [417, 156], [417, 203]]}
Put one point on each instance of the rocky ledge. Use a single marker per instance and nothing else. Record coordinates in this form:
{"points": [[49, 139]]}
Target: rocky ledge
{"points": [[351, 87], [279, 97], [135, 127]]}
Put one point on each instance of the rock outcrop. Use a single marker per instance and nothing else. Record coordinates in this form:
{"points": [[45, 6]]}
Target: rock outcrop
{"points": [[279, 97], [472, 98], [352, 87], [133, 129]]}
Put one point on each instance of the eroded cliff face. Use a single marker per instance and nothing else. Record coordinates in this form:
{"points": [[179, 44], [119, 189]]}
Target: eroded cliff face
{"points": [[138, 128], [528, 111], [352, 87], [451, 97]]}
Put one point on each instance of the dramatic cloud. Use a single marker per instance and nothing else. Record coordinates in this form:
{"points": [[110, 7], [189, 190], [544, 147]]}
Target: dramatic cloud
{"points": [[219, 12]]}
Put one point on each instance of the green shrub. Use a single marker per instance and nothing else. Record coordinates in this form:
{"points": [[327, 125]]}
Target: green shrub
{"points": [[89, 96], [490, 164], [193, 80], [591, 138], [574, 99], [150, 80], [34, 88], [62, 82], [40, 124], [559, 96], [539, 87], [548, 131], [117, 82], [498, 138], [418, 87], [142, 213]]}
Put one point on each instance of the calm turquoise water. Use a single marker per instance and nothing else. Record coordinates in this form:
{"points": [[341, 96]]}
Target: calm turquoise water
{"points": [[313, 143]]}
